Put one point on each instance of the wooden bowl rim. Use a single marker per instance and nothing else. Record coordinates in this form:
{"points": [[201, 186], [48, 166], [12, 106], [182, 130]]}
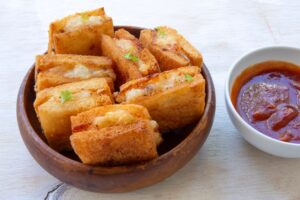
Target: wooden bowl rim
{"points": [[22, 115]]}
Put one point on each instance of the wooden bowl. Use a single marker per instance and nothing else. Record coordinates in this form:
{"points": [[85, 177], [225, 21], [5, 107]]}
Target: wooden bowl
{"points": [[178, 148]]}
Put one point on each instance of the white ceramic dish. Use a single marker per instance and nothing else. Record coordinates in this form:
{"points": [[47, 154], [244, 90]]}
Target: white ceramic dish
{"points": [[250, 134]]}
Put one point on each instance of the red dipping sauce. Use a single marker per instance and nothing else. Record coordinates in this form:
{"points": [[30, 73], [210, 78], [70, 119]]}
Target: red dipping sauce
{"points": [[267, 96]]}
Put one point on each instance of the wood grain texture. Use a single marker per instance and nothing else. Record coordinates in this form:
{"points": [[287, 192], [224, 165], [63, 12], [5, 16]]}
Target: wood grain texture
{"points": [[226, 168]]}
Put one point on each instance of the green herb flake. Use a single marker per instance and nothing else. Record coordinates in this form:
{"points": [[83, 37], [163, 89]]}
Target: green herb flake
{"points": [[127, 56], [65, 95], [85, 17], [131, 57], [188, 77], [134, 58], [160, 31]]}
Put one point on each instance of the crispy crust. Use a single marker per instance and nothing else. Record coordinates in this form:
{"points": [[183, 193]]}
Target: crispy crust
{"points": [[143, 82], [174, 107], [83, 120], [55, 116], [180, 55], [114, 143], [123, 34], [127, 69], [46, 78], [84, 40]]}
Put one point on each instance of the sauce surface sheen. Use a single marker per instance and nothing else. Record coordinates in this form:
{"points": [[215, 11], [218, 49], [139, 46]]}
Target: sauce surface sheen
{"points": [[267, 96]]}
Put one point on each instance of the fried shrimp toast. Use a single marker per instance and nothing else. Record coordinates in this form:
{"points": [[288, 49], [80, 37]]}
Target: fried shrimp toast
{"points": [[80, 33], [174, 98], [57, 69], [132, 59], [54, 107], [114, 135], [170, 48]]}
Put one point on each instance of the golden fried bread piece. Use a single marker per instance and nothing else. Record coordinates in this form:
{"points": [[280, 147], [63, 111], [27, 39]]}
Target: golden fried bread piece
{"points": [[174, 98], [80, 33], [55, 105], [56, 69], [170, 48], [132, 59], [114, 134]]}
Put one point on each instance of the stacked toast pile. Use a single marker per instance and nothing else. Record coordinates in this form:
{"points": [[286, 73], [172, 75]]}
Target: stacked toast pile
{"points": [[111, 96]]}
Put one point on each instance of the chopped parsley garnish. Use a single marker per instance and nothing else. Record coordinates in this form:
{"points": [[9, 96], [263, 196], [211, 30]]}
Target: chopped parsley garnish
{"points": [[160, 31], [131, 57], [65, 95], [188, 77], [85, 17]]}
